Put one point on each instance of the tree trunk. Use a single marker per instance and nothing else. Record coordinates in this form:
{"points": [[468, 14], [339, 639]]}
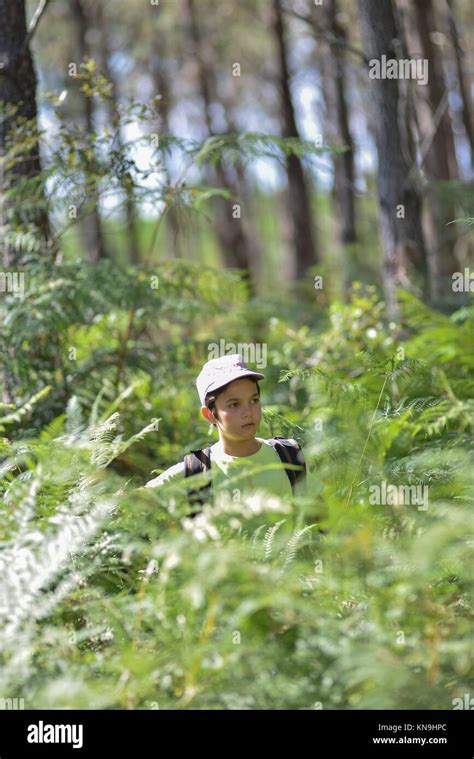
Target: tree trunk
{"points": [[92, 226], [463, 77], [229, 227], [441, 158], [335, 78], [399, 200], [437, 151], [96, 18], [160, 81], [18, 94], [303, 231]]}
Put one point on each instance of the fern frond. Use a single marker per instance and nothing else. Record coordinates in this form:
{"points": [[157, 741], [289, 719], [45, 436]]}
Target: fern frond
{"points": [[26, 408], [293, 544], [268, 538]]}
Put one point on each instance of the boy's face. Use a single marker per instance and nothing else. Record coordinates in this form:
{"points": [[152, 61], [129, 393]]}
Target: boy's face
{"points": [[238, 410]]}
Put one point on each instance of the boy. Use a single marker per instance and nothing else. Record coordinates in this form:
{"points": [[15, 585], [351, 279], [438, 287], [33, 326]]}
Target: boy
{"points": [[230, 400]]}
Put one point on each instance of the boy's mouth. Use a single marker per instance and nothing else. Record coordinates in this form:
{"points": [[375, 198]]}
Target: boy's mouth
{"points": [[249, 424]]}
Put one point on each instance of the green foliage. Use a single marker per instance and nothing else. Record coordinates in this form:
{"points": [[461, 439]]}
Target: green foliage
{"points": [[112, 597], [90, 167]]}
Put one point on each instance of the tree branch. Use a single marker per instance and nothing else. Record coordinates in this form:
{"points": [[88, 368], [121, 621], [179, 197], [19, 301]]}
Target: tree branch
{"points": [[328, 36], [35, 19]]}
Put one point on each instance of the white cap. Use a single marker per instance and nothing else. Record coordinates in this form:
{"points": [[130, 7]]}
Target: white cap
{"points": [[219, 371]]}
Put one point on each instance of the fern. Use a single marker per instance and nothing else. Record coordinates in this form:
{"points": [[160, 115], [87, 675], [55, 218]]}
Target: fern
{"points": [[291, 549], [268, 538], [25, 409]]}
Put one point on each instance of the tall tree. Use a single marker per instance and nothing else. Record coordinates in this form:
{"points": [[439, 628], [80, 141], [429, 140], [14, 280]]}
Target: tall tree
{"points": [[92, 226], [96, 19], [464, 83], [230, 231], [162, 87], [18, 95], [438, 153], [303, 231], [441, 156], [335, 83], [399, 199]]}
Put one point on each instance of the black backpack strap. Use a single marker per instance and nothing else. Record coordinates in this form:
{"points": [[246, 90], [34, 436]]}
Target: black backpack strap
{"points": [[195, 463], [290, 452]]}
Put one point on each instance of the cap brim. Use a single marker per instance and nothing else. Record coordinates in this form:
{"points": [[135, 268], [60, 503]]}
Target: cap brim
{"points": [[242, 375]]}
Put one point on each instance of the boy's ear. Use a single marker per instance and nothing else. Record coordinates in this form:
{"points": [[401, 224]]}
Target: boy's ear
{"points": [[206, 413]]}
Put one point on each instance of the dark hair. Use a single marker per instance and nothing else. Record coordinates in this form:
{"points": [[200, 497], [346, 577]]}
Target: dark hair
{"points": [[210, 399]]}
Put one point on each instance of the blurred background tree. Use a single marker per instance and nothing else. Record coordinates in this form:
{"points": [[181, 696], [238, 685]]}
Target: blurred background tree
{"points": [[295, 69]]}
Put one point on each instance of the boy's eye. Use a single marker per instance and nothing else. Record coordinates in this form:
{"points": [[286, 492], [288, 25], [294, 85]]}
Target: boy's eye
{"points": [[236, 403]]}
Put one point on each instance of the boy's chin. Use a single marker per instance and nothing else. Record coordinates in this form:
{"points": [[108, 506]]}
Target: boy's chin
{"points": [[242, 434], [250, 432]]}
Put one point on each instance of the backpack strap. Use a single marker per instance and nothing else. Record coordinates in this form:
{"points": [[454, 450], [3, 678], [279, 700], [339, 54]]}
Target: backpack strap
{"points": [[196, 462], [199, 461], [290, 452]]}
